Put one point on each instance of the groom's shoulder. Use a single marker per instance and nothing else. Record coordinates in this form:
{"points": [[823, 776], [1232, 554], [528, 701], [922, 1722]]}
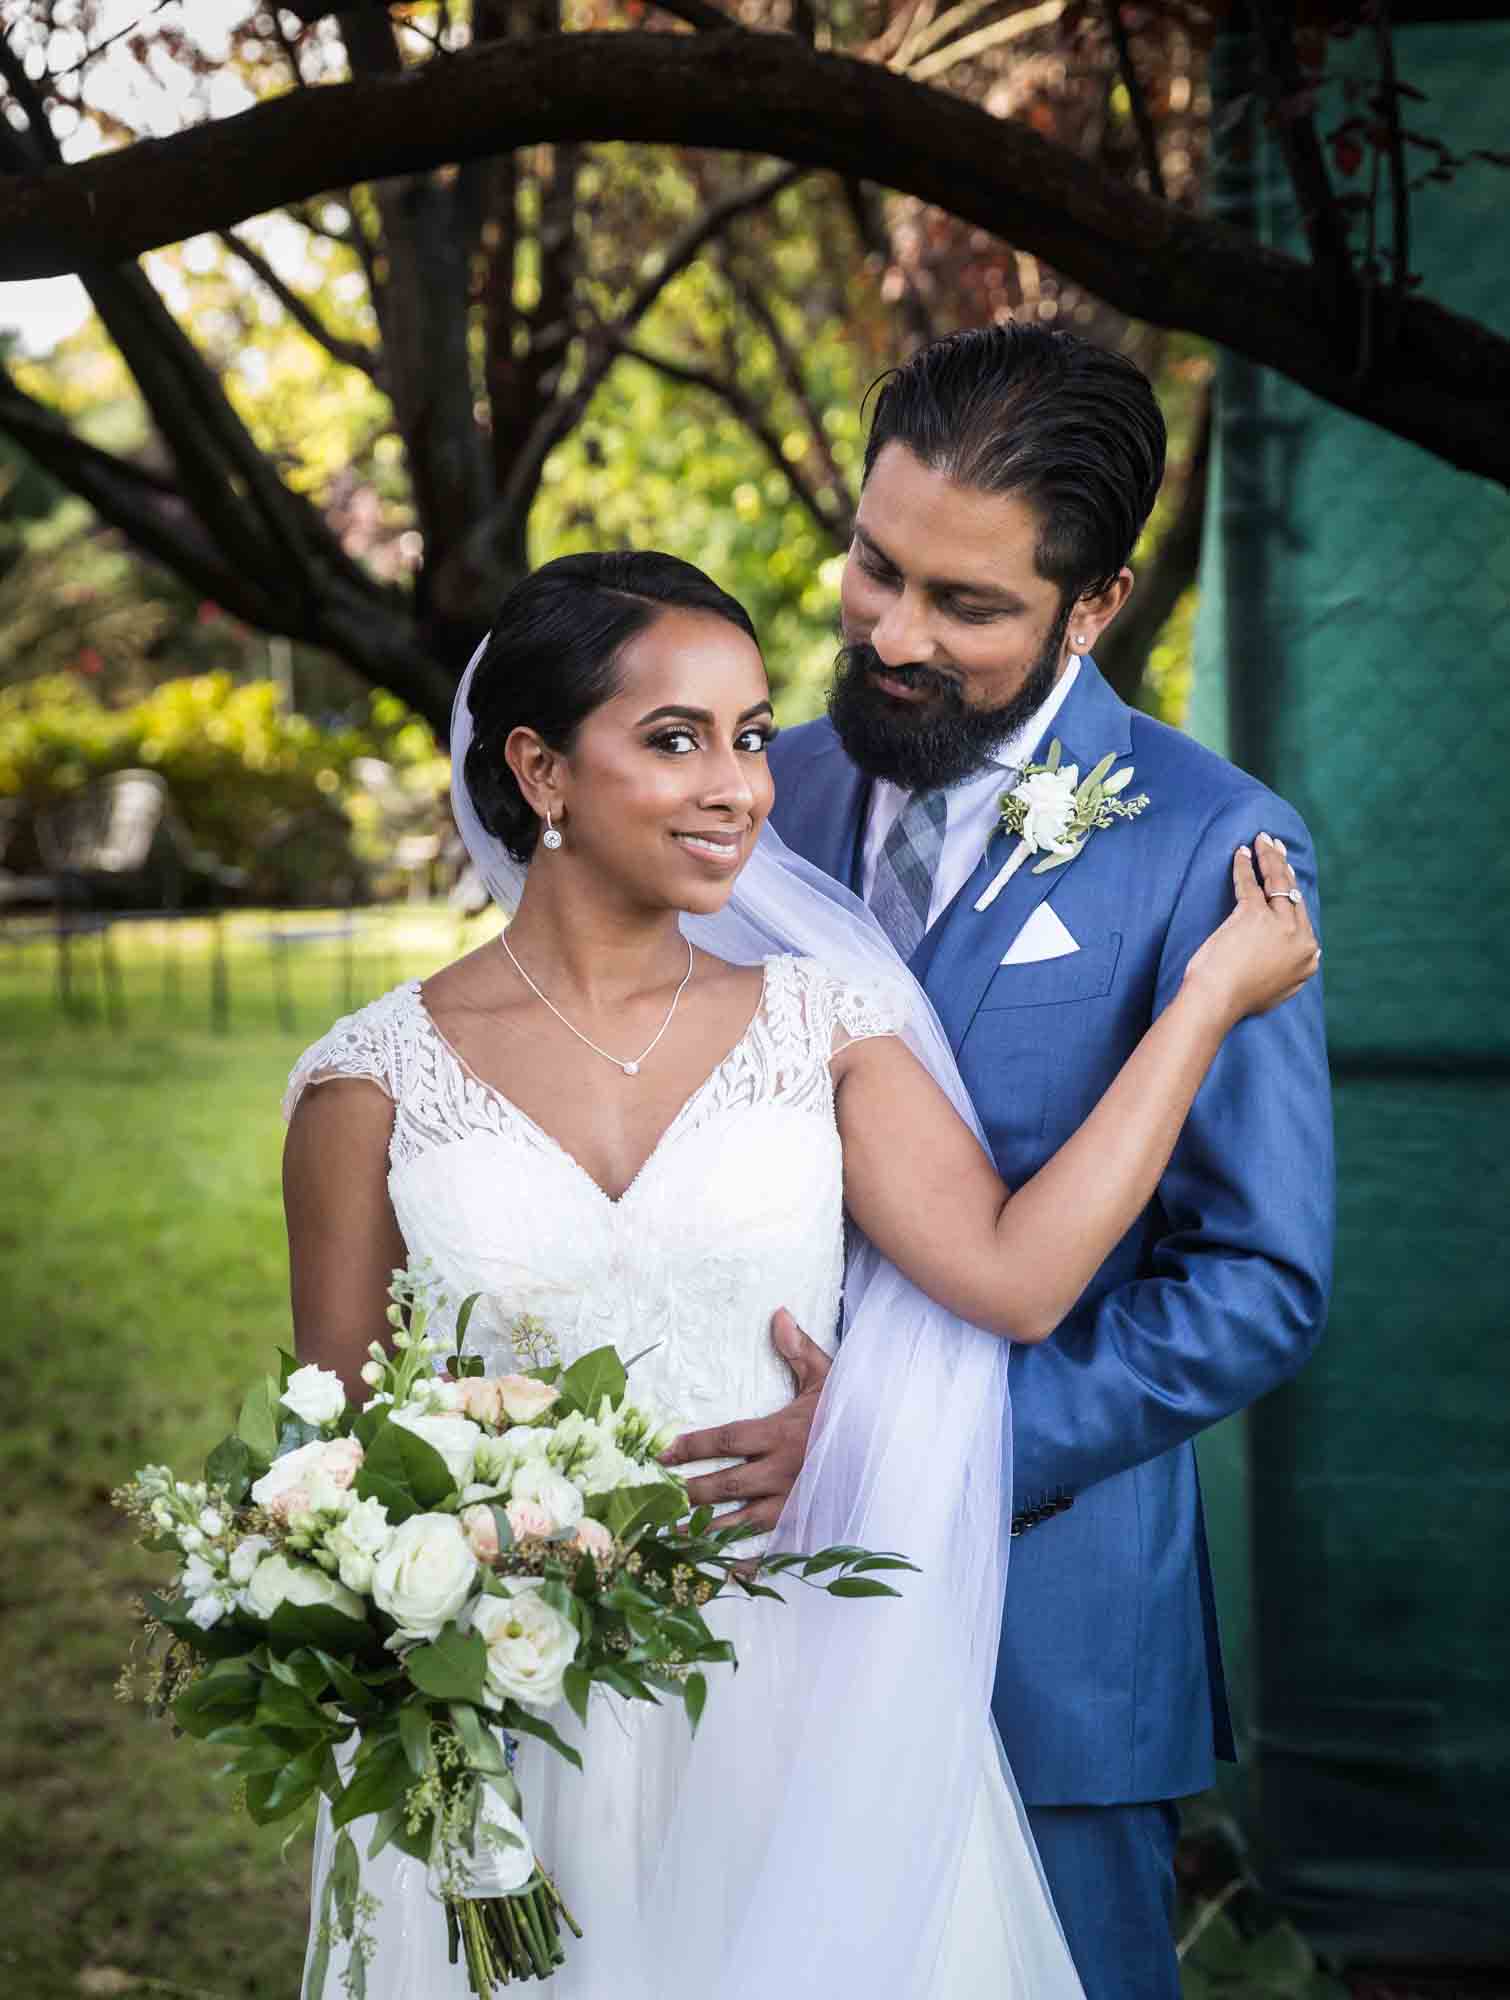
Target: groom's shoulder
{"points": [[1193, 784]]}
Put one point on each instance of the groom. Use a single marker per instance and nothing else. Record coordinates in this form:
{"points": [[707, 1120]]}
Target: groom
{"points": [[1007, 476]]}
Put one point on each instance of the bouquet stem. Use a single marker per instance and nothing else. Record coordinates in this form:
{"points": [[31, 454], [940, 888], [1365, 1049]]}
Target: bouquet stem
{"points": [[509, 1937]]}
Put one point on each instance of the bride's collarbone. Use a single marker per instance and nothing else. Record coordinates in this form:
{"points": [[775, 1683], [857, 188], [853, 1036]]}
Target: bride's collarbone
{"points": [[608, 1121]]}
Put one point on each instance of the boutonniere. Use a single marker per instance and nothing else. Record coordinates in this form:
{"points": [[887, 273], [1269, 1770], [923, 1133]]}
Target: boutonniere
{"points": [[1054, 811]]}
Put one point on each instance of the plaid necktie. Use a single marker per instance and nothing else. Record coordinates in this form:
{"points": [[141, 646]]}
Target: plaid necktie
{"points": [[908, 862]]}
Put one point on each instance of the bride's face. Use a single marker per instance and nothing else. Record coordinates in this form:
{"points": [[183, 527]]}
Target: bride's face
{"points": [[667, 784]]}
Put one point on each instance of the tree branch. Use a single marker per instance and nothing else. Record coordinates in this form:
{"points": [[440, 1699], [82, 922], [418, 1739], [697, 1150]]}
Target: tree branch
{"points": [[1122, 651], [350, 353], [1296, 128], [1148, 143], [753, 301], [502, 525], [832, 523], [1445, 382]]}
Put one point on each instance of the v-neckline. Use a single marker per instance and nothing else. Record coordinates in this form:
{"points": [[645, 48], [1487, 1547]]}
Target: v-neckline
{"points": [[553, 1144]]}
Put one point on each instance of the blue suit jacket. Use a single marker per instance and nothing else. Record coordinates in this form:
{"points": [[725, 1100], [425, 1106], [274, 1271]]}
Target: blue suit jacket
{"points": [[1109, 1687]]}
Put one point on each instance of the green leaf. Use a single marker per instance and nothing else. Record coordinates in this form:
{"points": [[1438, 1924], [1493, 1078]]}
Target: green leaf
{"points": [[885, 1562], [231, 1465], [283, 1707], [388, 1825], [860, 1586], [276, 1794], [1056, 861], [346, 1878], [216, 1699], [294, 1625], [628, 1509], [381, 1778], [577, 1687], [287, 1363], [453, 1667], [366, 1426], [1094, 776], [464, 1317], [1051, 762], [406, 1474], [257, 1425], [349, 1689], [695, 1695], [414, 1735], [298, 1669], [319, 1964], [294, 1433], [520, 1719], [591, 1377], [484, 1751]]}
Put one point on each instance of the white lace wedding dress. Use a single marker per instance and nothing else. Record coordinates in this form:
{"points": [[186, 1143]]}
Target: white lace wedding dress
{"points": [[736, 1212]]}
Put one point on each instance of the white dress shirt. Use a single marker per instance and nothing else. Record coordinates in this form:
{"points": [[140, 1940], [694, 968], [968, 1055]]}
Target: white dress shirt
{"points": [[974, 806]]}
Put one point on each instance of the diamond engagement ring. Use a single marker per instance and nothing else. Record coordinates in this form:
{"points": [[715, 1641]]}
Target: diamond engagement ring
{"points": [[1287, 895]]}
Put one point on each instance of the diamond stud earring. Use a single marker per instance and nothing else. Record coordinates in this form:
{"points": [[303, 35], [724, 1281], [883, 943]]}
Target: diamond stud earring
{"points": [[551, 838], [1079, 640]]}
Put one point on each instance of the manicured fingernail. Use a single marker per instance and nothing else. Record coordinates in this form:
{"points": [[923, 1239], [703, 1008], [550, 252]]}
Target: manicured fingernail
{"points": [[1281, 846], [1246, 851], [1265, 837]]}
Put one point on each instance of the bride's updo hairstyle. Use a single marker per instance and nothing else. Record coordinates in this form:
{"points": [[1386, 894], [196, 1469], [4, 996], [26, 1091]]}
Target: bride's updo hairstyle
{"points": [[552, 658]]}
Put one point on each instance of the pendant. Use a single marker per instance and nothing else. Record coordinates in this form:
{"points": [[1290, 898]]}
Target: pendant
{"points": [[630, 1069]]}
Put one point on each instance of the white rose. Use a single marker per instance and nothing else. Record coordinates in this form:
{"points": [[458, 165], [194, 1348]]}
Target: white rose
{"points": [[455, 1438], [423, 1577], [1049, 797], [277, 1581], [358, 1540], [314, 1395], [246, 1555], [551, 1490], [529, 1644]]}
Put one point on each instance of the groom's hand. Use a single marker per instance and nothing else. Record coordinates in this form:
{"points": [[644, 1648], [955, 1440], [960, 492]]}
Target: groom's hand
{"points": [[772, 1448]]}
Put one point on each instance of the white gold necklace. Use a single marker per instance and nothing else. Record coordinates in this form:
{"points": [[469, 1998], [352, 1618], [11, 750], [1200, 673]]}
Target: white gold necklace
{"points": [[629, 1068]]}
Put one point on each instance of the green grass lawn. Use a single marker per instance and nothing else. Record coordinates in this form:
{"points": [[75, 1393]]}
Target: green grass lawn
{"points": [[141, 1235]]}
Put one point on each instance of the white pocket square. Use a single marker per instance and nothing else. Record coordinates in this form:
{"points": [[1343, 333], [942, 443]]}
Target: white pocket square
{"points": [[1042, 936]]}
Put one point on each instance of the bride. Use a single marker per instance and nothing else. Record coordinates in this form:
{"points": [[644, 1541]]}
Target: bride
{"points": [[642, 1114]]}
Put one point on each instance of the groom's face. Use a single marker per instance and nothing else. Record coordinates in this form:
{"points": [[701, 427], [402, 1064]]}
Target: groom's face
{"points": [[952, 637]]}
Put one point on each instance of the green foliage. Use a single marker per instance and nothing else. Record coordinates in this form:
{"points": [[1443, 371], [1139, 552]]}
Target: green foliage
{"points": [[254, 784]]}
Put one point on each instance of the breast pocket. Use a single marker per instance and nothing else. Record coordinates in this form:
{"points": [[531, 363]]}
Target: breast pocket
{"points": [[1054, 982]]}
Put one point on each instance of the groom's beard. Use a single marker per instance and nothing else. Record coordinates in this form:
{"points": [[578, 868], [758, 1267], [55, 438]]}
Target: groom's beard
{"points": [[926, 745]]}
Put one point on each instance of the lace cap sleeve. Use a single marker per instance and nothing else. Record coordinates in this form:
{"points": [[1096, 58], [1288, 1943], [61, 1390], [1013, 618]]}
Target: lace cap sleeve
{"points": [[844, 1011], [364, 1045]]}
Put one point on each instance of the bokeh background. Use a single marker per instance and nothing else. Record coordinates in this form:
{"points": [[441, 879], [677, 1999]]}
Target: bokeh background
{"points": [[258, 493]]}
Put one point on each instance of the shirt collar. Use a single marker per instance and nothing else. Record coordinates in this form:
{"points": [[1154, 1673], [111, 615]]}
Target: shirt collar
{"points": [[1014, 751]]}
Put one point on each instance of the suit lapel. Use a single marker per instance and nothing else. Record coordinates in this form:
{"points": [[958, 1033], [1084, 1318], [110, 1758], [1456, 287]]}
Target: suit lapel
{"points": [[835, 822], [959, 957]]}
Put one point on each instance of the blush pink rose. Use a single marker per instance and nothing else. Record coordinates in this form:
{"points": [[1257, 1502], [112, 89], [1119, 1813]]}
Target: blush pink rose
{"points": [[530, 1521], [592, 1539], [482, 1532], [524, 1399], [477, 1397]]}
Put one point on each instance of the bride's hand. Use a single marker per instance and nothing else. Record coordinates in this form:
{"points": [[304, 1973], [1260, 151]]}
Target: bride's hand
{"points": [[1266, 950]]}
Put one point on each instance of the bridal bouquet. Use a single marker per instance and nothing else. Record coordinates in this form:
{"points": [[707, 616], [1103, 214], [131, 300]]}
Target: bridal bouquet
{"points": [[421, 1581]]}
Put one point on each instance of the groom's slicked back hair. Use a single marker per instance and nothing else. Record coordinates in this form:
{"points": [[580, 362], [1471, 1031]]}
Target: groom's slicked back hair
{"points": [[552, 658], [1065, 425]]}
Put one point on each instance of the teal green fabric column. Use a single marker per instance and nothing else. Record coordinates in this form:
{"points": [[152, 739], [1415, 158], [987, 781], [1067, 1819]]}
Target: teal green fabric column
{"points": [[1354, 650]]}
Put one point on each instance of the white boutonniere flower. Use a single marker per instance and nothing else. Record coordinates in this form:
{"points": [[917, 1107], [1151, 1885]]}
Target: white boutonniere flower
{"points": [[1054, 811]]}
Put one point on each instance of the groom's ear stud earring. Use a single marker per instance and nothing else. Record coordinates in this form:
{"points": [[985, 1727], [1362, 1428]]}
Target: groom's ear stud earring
{"points": [[551, 838], [1079, 640]]}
